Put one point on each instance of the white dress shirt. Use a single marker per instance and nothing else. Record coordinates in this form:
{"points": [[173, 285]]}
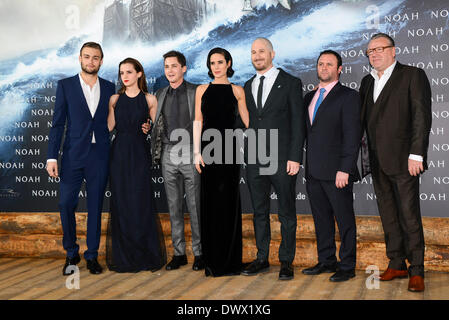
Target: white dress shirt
{"points": [[270, 77], [92, 96], [379, 84]]}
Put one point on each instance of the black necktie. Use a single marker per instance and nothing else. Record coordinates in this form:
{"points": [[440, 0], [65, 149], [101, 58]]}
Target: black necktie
{"points": [[259, 93], [174, 113]]}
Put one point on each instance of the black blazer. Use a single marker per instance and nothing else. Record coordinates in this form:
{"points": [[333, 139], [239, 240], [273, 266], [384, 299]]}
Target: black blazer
{"points": [[284, 111], [401, 118], [333, 140]]}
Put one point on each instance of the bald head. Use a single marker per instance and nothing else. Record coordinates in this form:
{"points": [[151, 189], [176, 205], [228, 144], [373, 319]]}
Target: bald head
{"points": [[262, 55], [265, 42]]}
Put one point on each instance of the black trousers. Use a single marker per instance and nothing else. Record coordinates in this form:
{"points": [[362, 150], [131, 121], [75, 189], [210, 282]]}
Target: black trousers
{"points": [[328, 204], [399, 210], [260, 188]]}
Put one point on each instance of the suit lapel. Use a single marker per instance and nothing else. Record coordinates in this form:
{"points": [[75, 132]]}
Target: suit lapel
{"points": [[388, 88], [251, 103], [378, 106], [307, 99], [190, 100], [368, 100], [80, 93], [275, 90], [102, 95], [160, 102], [326, 102]]}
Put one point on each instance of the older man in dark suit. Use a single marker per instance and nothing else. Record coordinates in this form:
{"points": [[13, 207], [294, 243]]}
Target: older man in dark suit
{"points": [[396, 112]]}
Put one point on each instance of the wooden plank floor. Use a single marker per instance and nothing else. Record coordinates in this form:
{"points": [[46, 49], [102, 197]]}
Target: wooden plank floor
{"points": [[41, 279]]}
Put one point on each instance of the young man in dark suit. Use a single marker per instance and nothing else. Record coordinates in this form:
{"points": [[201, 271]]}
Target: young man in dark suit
{"points": [[333, 141], [275, 104], [81, 108], [396, 113]]}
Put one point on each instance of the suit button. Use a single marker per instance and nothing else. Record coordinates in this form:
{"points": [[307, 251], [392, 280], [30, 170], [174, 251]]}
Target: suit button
{"points": [[260, 118]]}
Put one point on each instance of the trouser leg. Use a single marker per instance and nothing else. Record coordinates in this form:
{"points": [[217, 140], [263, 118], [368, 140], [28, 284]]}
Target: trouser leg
{"points": [[175, 194], [96, 174], [323, 219], [70, 186], [285, 185], [259, 188]]}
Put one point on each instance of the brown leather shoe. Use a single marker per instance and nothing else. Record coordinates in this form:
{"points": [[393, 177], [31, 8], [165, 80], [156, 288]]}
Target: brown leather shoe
{"points": [[391, 274], [416, 284]]}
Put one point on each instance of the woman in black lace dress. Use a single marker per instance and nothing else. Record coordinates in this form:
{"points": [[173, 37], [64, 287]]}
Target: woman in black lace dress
{"points": [[218, 105]]}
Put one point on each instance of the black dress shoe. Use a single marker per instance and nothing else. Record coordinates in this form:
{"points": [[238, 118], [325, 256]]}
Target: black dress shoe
{"points": [[70, 262], [198, 263], [286, 272], [93, 266], [176, 262], [342, 275], [255, 267], [319, 268]]}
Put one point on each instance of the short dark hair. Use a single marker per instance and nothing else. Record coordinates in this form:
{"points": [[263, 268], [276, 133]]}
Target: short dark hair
{"points": [[93, 45], [339, 61], [227, 56], [383, 35], [173, 53]]}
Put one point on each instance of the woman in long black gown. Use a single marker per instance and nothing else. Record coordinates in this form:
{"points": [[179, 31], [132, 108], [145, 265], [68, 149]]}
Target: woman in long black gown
{"points": [[218, 106], [134, 241]]}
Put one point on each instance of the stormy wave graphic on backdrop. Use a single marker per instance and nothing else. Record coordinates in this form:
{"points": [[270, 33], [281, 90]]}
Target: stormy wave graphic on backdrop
{"points": [[146, 30]]}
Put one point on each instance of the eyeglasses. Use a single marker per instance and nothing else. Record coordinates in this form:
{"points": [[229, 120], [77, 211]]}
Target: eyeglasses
{"points": [[378, 50]]}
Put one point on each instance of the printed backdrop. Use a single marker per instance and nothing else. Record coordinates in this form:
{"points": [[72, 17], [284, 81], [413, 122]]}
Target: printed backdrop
{"points": [[41, 41]]}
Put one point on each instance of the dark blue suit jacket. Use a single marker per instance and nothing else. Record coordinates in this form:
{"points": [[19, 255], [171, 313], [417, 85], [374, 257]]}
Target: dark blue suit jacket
{"points": [[333, 140], [71, 108]]}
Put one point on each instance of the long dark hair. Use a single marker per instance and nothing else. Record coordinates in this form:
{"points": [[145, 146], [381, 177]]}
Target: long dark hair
{"points": [[141, 82], [227, 57]]}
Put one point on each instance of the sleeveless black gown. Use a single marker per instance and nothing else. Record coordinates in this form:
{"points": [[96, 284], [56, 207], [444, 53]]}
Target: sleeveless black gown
{"points": [[221, 220], [135, 240]]}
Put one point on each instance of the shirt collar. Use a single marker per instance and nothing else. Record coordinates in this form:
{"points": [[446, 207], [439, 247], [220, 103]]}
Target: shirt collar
{"points": [[387, 72], [84, 84], [328, 87], [181, 88], [270, 73]]}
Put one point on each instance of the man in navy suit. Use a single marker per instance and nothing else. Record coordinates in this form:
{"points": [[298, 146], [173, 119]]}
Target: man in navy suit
{"points": [[333, 141], [81, 108]]}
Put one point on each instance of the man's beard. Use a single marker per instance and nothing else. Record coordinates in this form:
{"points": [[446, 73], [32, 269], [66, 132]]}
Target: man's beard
{"points": [[324, 79], [92, 72], [262, 67]]}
